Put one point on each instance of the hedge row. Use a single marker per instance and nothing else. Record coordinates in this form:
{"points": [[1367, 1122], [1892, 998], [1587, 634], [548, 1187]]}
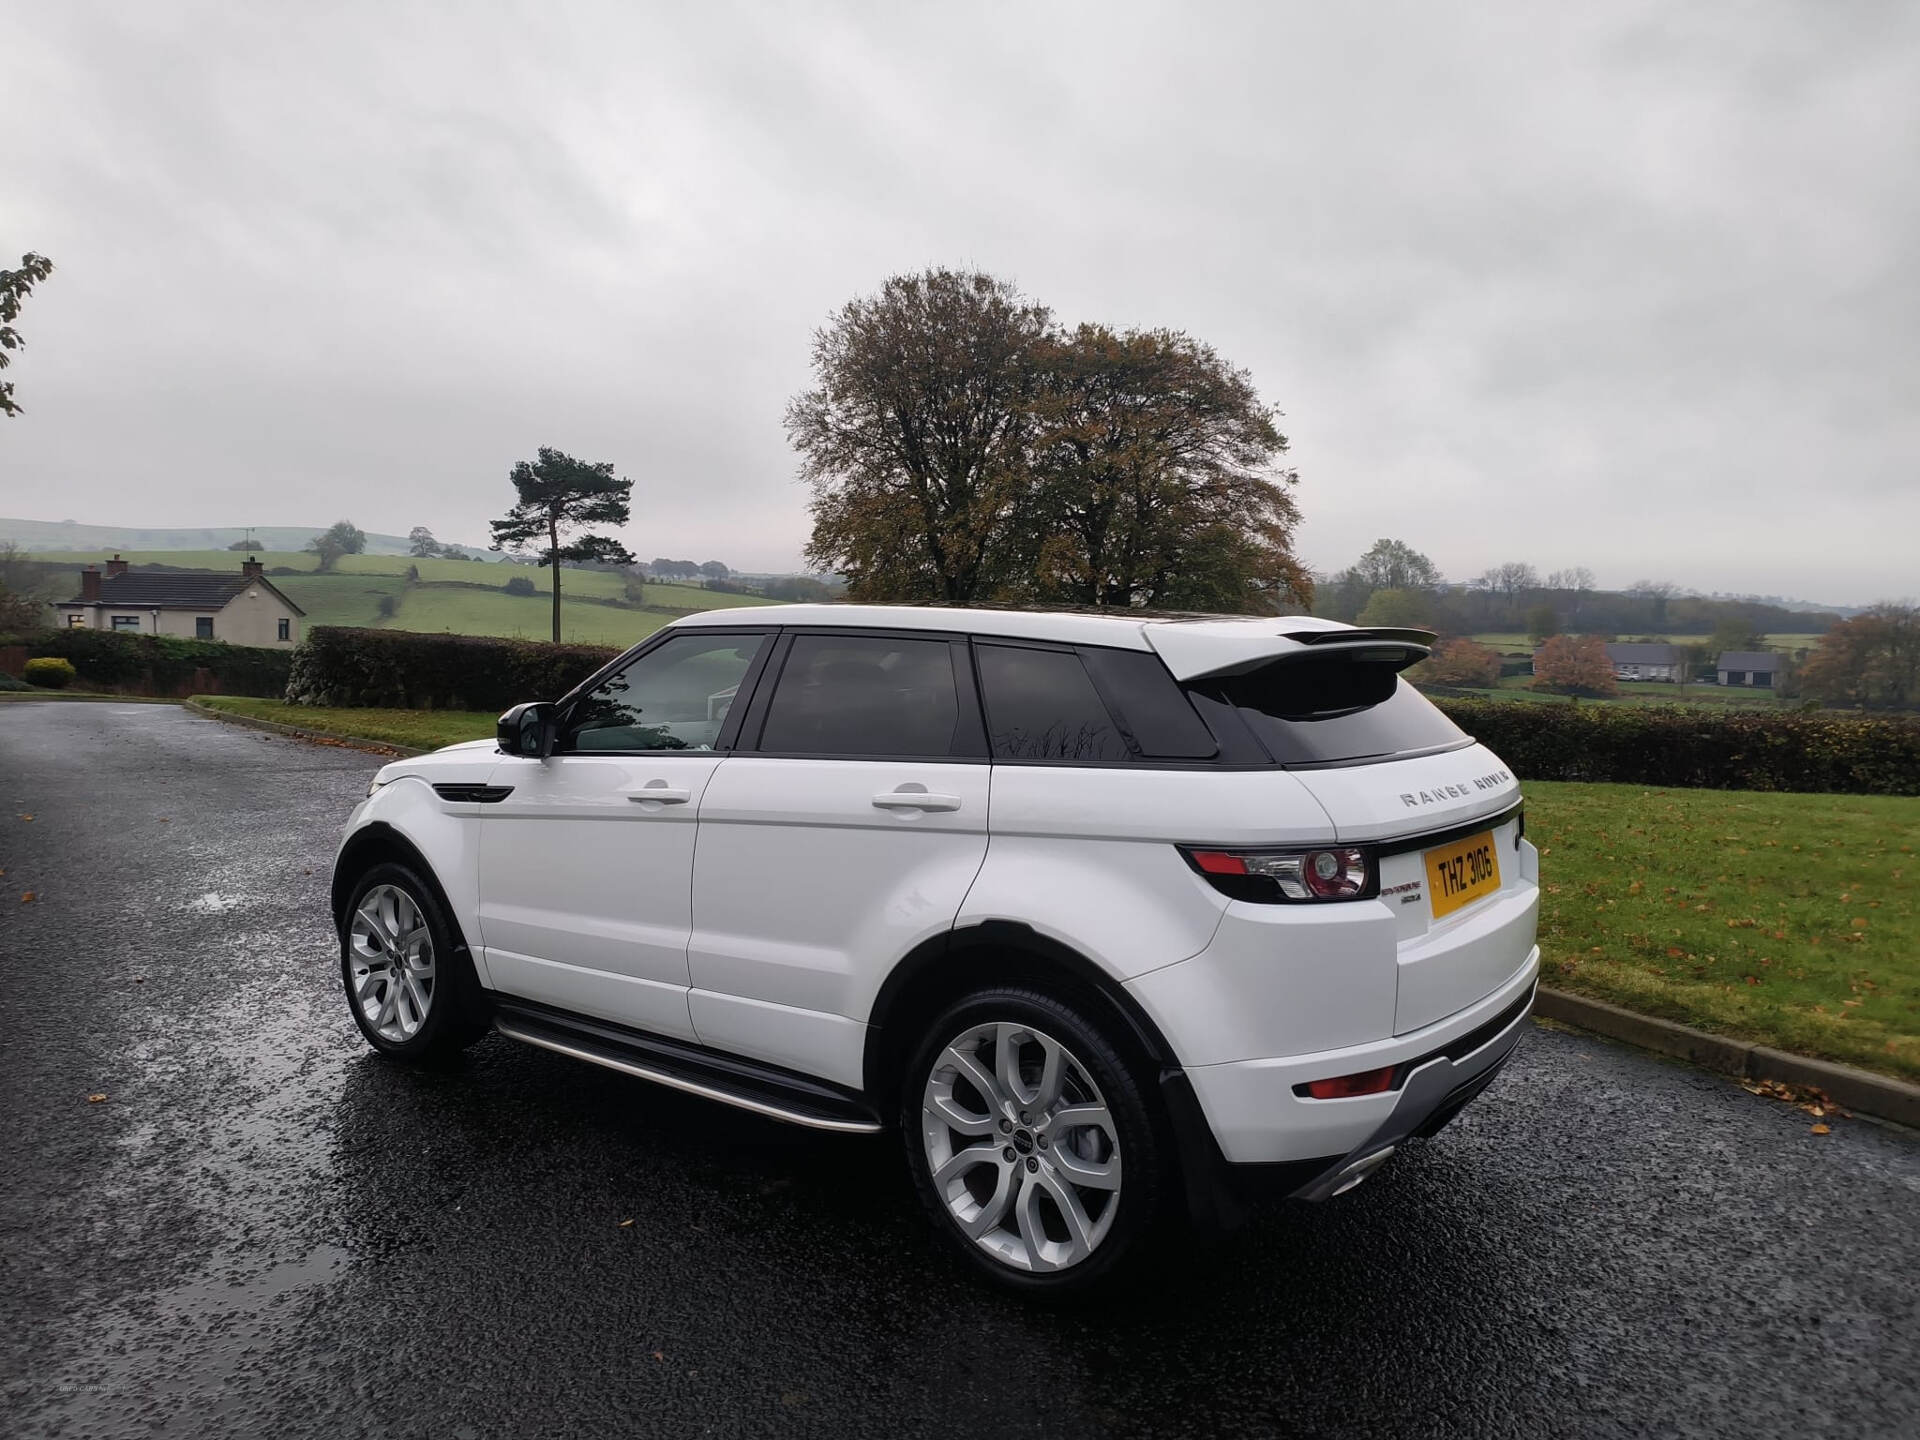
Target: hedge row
{"points": [[339, 666], [161, 664], [1742, 749]]}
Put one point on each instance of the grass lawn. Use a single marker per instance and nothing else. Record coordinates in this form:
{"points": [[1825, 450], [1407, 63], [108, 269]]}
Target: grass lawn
{"points": [[1791, 920], [421, 729]]}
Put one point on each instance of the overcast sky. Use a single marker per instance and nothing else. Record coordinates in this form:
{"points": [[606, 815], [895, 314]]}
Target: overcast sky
{"points": [[1626, 285]]}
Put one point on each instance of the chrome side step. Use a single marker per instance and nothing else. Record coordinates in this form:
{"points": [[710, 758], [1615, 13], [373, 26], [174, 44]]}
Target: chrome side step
{"points": [[683, 1067]]}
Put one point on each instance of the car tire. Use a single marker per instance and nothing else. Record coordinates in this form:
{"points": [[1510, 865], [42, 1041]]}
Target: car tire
{"points": [[409, 984], [1076, 1179]]}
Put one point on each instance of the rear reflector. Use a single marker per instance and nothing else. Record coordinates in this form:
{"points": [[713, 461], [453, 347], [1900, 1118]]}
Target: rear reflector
{"points": [[1344, 1087], [1218, 862]]}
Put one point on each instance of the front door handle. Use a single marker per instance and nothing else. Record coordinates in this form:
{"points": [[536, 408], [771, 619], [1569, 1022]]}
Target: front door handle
{"points": [[659, 792], [915, 800]]}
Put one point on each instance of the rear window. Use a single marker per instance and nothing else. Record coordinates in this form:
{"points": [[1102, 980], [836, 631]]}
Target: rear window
{"points": [[864, 695], [1329, 711]]}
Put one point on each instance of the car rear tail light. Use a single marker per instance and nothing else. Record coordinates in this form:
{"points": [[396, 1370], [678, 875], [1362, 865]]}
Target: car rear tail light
{"points": [[1345, 1087], [1333, 872]]}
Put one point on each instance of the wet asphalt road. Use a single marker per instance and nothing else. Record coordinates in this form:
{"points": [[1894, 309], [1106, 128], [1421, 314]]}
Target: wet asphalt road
{"points": [[264, 1230]]}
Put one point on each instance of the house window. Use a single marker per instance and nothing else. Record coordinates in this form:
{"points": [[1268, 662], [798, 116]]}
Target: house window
{"points": [[286, 628], [203, 627], [1762, 678], [76, 621], [126, 622]]}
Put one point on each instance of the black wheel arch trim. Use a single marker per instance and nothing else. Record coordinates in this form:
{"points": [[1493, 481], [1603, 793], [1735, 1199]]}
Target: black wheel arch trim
{"points": [[350, 866], [1001, 937]]}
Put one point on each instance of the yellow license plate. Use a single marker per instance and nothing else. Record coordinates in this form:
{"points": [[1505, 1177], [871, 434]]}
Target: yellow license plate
{"points": [[1461, 873]]}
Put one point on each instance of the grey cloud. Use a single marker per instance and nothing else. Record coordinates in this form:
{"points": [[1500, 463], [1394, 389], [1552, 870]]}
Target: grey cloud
{"points": [[1625, 286]]}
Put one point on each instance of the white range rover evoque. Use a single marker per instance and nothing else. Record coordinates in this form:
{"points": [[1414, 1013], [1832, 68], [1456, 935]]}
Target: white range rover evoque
{"points": [[1115, 917]]}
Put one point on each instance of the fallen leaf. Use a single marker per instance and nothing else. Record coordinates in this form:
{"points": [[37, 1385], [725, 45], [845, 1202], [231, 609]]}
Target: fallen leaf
{"points": [[26, 817], [26, 897], [95, 1099], [625, 1223], [658, 1355], [1822, 1130]]}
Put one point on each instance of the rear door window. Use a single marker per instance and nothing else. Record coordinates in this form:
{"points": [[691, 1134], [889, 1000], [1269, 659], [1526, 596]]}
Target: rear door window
{"points": [[1331, 710], [1042, 706], [864, 695]]}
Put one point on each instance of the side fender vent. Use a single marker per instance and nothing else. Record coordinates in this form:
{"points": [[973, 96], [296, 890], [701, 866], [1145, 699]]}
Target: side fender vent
{"points": [[473, 794]]}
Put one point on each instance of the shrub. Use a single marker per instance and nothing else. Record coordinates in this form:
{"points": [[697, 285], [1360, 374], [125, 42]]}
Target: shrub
{"points": [[1671, 745], [386, 608], [339, 666], [7, 682], [49, 672], [1574, 665], [1460, 662], [520, 585], [164, 664]]}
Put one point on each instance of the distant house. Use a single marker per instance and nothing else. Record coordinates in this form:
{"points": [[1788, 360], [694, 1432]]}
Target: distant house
{"points": [[242, 609], [1646, 662], [1751, 667]]}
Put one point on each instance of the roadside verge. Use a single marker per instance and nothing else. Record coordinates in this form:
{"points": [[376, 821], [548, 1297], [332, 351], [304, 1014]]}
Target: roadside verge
{"points": [[300, 732], [1859, 1090]]}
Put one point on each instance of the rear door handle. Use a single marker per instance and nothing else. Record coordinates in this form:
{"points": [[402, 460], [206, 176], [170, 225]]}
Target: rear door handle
{"points": [[915, 800], [658, 792]]}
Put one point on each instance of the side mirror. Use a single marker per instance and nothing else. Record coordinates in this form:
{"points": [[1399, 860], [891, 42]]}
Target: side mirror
{"points": [[527, 730]]}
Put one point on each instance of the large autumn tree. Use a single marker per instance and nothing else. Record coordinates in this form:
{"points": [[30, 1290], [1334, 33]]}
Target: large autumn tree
{"points": [[1153, 477], [559, 494], [914, 437], [963, 448], [1872, 660]]}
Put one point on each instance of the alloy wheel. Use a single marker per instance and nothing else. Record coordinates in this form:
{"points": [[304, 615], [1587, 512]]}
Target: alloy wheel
{"points": [[392, 964], [1021, 1147]]}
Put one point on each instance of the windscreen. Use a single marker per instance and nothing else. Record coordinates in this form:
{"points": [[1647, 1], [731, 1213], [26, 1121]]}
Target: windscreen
{"points": [[1332, 709]]}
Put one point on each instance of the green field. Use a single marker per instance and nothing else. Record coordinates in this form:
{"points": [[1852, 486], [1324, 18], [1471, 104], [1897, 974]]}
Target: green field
{"points": [[465, 611], [1523, 644], [1792, 920], [461, 596], [1694, 697]]}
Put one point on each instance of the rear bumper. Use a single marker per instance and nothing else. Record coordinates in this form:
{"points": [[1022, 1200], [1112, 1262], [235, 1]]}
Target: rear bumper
{"points": [[1244, 1134]]}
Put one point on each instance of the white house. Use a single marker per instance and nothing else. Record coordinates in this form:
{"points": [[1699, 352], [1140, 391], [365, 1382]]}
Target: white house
{"points": [[242, 609], [1645, 662]]}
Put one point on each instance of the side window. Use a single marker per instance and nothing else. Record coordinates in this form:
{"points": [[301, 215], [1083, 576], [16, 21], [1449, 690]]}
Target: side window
{"points": [[674, 697], [864, 695], [1150, 701], [203, 627], [1042, 706], [286, 628]]}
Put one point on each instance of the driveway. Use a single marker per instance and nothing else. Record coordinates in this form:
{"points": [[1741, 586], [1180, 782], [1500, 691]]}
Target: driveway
{"points": [[265, 1230]]}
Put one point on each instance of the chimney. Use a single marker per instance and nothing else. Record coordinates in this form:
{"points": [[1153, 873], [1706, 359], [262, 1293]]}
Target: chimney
{"points": [[89, 584], [252, 568], [116, 566]]}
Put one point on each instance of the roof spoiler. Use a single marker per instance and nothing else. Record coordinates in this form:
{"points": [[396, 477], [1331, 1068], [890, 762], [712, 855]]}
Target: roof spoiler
{"points": [[1202, 651]]}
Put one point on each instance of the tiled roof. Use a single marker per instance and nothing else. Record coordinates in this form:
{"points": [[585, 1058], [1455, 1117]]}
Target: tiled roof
{"points": [[174, 590]]}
